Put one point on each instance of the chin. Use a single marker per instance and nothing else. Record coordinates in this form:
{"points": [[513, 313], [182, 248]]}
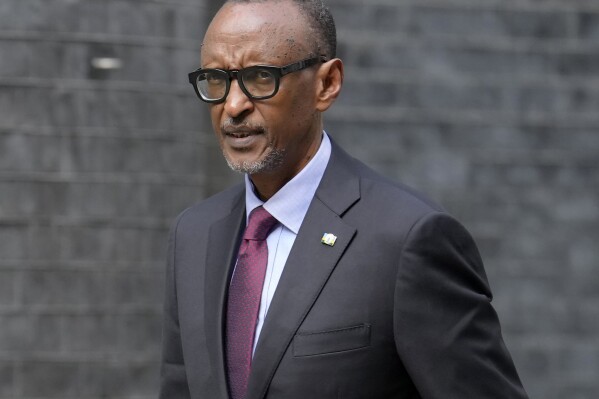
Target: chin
{"points": [[270, 162]]}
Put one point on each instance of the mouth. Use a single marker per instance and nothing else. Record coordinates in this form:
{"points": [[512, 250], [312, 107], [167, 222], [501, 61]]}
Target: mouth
{"points": [[240, 134], [242, 139]]}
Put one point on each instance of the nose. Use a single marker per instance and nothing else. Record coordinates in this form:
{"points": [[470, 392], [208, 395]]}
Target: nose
{"points": [[237, 102]]}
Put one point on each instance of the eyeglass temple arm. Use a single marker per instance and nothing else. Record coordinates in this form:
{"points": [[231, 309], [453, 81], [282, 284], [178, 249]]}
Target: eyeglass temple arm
{"points": [[298, 66]]}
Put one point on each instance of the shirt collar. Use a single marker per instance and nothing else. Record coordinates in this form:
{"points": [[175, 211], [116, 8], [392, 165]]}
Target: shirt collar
{"points": [[290, 204]]}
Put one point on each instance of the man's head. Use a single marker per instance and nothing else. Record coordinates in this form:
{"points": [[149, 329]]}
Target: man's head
{"points": [[274, 137]]}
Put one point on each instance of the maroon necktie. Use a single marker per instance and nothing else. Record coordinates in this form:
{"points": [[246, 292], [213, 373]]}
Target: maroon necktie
{"points": [[243, 304]]}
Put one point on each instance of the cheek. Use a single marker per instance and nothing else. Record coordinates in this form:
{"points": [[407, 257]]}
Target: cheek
{"points": [[301, 114], [302, 105], [215, 117]]}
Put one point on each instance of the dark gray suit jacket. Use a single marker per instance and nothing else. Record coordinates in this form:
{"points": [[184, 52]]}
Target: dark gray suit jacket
{"points": [[399, 307]]}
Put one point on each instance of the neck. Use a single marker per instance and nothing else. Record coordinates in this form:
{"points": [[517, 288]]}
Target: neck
{"points": [[268, 183]]}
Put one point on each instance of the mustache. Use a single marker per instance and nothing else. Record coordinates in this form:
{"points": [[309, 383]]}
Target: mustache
{"points": [[231, 127]]}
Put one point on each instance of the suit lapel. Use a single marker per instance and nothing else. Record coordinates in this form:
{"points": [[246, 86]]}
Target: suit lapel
{"points": [[220, 258], [308, 267]]}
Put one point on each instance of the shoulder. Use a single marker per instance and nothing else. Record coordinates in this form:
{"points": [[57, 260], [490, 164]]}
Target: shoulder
{"points": [[211, 209], [395, 212], [382, 196]]}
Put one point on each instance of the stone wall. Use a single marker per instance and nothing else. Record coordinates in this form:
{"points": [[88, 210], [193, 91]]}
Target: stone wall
{"points": [[489, 106], [94, 165]]}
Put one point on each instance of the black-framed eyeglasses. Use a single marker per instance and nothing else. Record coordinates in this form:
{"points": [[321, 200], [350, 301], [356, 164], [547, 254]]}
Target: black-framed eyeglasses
{"points": [[258, 82]]}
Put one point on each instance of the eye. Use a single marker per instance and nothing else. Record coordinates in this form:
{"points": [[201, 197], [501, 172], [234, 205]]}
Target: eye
{"points": [[212, 78], [259, 77], [263, 75]]}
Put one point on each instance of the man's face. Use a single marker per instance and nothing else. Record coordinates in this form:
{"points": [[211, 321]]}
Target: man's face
{"points": [[275, 136]]}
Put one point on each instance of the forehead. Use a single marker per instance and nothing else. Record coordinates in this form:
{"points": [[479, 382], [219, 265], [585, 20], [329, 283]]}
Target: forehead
{"points": [[246, 32]]}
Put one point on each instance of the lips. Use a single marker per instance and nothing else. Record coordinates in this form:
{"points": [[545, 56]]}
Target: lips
{"points": [[242, 140], [241, 134]]}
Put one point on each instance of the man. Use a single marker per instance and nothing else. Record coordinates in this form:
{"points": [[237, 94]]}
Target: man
{"points": [[343, 284]]}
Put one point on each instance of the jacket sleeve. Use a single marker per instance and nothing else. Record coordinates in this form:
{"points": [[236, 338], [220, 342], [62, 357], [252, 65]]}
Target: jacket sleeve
{"points": [[446, 331], [173, 378]]}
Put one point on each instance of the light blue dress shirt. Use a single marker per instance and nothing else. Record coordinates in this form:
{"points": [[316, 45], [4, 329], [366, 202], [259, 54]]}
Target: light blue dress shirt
{"points": [[289, 206]]}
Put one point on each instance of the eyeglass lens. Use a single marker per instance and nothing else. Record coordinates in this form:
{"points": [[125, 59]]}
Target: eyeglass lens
{"points": [[212, 85], [259, 82]]}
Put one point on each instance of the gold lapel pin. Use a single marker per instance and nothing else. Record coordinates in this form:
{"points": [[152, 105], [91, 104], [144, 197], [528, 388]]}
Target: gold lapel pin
{"points": [[328, 239]]}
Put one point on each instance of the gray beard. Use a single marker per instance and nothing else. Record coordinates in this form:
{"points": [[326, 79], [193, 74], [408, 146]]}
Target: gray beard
{"points": [[273, 159]]}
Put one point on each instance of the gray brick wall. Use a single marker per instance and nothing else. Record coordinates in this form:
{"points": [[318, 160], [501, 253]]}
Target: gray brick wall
{"points": [[94, 165], [488, 106]]}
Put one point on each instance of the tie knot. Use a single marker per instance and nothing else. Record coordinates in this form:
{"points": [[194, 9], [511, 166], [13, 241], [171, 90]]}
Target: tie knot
{"points": [[260, 224]]}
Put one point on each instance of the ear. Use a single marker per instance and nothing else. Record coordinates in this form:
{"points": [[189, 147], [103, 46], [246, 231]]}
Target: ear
{"points": [[330, 80]]}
